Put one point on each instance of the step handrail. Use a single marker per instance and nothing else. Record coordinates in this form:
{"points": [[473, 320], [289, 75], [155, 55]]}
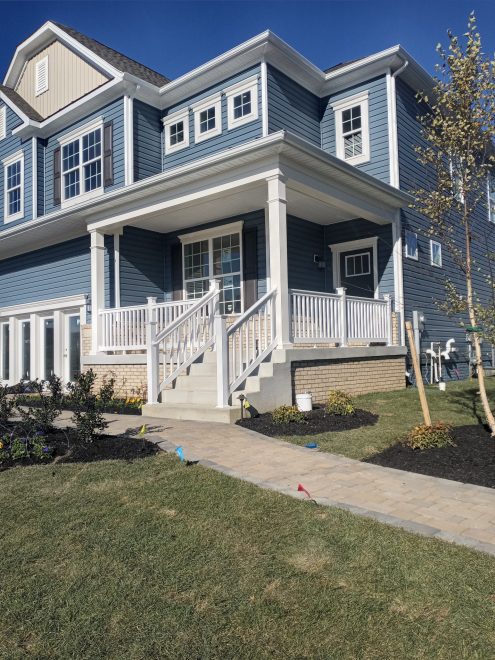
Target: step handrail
{"points": [[186, 315]]}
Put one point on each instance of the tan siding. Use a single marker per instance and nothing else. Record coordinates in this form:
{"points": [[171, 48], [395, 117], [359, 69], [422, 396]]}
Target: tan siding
{"points": [[69, 78]]}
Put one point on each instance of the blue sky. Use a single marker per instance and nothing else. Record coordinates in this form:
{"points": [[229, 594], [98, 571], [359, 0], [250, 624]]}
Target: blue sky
{"points": [[174, 37]]}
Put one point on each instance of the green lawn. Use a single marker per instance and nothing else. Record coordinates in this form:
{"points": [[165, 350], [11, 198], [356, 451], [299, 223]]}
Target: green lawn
{"points": [[155, 560], [399, 412]]}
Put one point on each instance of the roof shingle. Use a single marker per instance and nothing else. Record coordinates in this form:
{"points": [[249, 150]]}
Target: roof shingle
{"points": [[20, 103]]}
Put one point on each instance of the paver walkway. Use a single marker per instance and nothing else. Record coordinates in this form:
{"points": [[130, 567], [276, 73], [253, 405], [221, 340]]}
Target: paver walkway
{"points": [[449, 510]]}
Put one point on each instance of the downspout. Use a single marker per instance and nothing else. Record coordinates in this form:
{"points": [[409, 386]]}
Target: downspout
{"points": [[395, 182]]}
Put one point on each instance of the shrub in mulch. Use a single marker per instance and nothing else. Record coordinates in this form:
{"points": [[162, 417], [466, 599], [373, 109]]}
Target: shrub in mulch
{"points": [[315, 421], [130, 406], [471, 459]]}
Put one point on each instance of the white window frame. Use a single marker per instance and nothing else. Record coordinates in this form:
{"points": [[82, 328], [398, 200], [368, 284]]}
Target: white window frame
{"points": [[41, 86], [490, 192], [18, 156], [3, 380], [42, 343], [248, 85], [3, 122], [214, 101], [459, 195], [361, 99], [209, 235], [432, 243], [78, 134], [353, 256], [415, 256], [171, 120]]}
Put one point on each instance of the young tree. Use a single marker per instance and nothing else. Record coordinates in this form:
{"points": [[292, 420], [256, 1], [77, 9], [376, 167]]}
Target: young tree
{"points": [[458, 130]]}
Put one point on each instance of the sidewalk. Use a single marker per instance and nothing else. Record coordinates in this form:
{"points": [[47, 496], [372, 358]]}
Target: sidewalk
{"points": [[449, 510]]}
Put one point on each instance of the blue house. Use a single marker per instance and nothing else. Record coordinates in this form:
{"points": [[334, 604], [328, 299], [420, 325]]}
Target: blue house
{"points": [[243, 229]]}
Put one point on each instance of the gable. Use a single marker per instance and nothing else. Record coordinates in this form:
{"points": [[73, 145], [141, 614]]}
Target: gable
{"points": [[65, 74]]}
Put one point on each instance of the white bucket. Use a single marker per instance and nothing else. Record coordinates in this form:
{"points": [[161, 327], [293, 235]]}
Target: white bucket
{"points": [[304, 402], [442, 386]]}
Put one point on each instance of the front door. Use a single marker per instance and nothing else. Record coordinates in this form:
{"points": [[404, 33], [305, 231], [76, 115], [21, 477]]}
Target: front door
{"points": [[72, 350], [357, 272]]}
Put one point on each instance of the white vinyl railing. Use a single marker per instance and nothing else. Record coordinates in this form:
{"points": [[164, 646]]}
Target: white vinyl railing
{"points": [[181, 342], [335, 317], [242, 347], [124, 328]]}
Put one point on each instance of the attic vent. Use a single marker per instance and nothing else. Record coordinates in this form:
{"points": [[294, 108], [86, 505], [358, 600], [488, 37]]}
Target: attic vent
{"points": [[41, 76]]}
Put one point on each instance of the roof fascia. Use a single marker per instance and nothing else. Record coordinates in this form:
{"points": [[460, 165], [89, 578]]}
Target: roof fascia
{"points": [[14, 108]]}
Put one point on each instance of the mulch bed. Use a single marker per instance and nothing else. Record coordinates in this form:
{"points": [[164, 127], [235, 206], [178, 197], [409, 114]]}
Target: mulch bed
{"points": [[118, 408], [317, 421], [471, 461]]}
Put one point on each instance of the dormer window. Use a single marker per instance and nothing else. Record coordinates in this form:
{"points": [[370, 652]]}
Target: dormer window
{"points": [[41, 76], [352, 129], [207, 118], [176, 128], [242, 102], [13, 186]]}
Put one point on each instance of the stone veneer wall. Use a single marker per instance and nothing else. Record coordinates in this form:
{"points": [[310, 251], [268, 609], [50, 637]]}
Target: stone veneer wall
{"points": [[354, 376]]}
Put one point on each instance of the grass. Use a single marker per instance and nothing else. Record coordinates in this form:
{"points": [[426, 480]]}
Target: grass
{"points": [[150, 559], [398, 413]]}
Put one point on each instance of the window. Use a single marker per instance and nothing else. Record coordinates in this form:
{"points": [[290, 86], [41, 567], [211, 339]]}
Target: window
{"points": [[14, 185], [215, 257], [207, 118], [455, 175], [436, 254], [242, 102], [491, 197], [351, 129], [26, 350], [357, 264], [3, 123], [49, 348], [5, 356], [176, 127], [41, 76], [411, 245], [82, 163]]}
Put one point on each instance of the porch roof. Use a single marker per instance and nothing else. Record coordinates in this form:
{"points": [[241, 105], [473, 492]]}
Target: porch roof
{"points": [[320, 187]]}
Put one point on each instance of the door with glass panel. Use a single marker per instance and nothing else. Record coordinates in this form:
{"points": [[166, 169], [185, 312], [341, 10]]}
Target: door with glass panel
{"points": [[5, 352], [72, 352], [48, 335]]}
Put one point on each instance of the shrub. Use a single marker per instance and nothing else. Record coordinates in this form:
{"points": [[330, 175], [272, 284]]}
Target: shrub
{"points": [[14, 447], [437, 435], [7, 404], [43, 415], [339, 403], [287, 414], [88, 417]]}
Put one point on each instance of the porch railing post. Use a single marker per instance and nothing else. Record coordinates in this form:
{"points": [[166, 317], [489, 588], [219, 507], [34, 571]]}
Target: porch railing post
{"points": [[222, 353], [343, 315], [390, 322], [152, 353]]}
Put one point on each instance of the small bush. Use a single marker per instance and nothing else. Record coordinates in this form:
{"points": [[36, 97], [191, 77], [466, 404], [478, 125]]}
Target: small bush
{"points": [[88, 404], [7, 404], [287, 414], [41, 417], [14, 447], [339, 403], [437, 435]]}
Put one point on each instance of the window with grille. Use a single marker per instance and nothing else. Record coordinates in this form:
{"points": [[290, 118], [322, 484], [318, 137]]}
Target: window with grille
{"points": [[351, 129], [82, 164], [242, 102], [13, 186]]}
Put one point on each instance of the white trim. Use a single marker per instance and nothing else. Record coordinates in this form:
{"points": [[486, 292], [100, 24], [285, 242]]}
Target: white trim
{"points": [[338, 248], [398, 275], [3, 122], [116, 265], [42, 344], [346, 104], [172, 120], [392, 132], [490, 192], [41, 81], [14, 158], [80, 131], [128, 139], [43, 306], [9, 351], [212, 232], [34, 176], [214, 101], [408, 256], [264, 98], [432, 263], [353, 256], [250, 85]]}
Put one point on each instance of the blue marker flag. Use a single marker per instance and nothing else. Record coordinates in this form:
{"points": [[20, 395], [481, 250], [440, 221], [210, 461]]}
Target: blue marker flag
{"points": [[180, 453]]}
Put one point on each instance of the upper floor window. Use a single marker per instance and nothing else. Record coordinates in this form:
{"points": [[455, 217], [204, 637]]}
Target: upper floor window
{"points": [[491, 197], [352, 129], [41, 76], [436, 253], [456, 177], [242, 102], [207, 118], [13, 186], [3, 123], [411, 245], [176, 127], [81, 157]]}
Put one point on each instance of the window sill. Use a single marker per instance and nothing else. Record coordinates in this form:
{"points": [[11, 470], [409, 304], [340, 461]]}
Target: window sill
{"points": [[234, 123], [174, 148], [357, 160], [201, 137], [79, 199], [13, 218]]}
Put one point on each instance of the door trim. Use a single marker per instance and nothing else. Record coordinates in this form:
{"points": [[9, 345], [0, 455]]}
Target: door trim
{"points": [[338, 248]]}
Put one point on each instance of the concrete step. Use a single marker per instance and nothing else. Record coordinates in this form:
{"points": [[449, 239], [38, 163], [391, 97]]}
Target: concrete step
{"points": [[200, 397], [200, 413], [196, 381], [203, 368]]}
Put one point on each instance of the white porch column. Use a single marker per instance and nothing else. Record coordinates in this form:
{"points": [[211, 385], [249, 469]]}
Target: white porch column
{"points": [[97, 286], [277, 248]]}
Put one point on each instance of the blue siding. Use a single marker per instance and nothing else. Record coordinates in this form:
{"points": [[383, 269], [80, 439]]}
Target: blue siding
{"points": [[228, 138], [112, 112], [51, 272], [379, 162], [141, 266], [424, 284], [304, 240], [292, 107], [148, 140], [9, 146]]}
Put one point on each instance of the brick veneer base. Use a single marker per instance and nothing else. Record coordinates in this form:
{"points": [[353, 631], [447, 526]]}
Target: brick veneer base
{"points": [[354, 376]]}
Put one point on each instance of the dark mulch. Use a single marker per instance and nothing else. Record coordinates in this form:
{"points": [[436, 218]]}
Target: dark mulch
{"points": [[471, 461], [317, 421], [119, 407]]}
